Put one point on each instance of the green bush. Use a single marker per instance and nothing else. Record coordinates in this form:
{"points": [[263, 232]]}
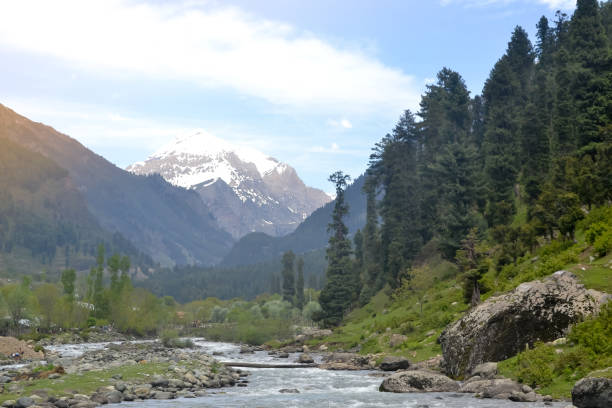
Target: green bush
{"points": [[603, 243], [595, 333], [371, 346], [534, 366], [171, 339]]}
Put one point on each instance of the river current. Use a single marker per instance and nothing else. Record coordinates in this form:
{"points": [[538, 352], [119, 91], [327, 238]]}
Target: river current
{"points": [[316, 388]]}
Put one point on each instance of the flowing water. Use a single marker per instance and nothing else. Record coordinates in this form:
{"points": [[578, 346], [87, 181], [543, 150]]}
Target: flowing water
{"points": [[317, 388]]}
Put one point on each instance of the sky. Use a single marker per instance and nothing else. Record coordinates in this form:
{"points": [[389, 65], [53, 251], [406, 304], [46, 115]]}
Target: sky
{"points": [[313, 83]]}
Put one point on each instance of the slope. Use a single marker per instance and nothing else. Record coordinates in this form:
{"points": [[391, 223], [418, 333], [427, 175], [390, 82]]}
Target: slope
{"points": [[169, 223], [44, 220]]}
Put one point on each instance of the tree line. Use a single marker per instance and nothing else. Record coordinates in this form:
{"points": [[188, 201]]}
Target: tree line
{"points": [[486, 178]]}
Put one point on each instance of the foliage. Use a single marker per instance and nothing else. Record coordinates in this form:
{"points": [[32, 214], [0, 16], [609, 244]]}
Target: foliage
{"points": [[341, 287], [171, 339]]}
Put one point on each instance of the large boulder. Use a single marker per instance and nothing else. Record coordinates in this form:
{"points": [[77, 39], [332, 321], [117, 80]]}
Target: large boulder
{"points": [[503, 325], [418, 381], [592, 392]]}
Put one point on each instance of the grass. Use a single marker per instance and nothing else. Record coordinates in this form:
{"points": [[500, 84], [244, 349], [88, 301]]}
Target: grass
{"points": [[87, 382], [419, 311]]}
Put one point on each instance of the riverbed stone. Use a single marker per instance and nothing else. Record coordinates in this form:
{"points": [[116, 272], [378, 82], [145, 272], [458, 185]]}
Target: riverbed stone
{"points": [[485, 370], [305, 358], [24, 402], [394, 363], [418, 381], [503, 325], [114, 397], [592, 392]]}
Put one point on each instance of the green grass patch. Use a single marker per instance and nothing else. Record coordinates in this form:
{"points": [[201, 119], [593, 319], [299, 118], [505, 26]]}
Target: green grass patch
{"points": [[87, 382], [419, 310]]}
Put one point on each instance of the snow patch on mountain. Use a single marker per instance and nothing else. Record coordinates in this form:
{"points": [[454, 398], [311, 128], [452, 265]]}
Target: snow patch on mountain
{"points": [[192, 147], [244, 188]]}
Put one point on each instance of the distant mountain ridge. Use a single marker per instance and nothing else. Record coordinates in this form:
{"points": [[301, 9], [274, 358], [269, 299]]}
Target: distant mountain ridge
{"points": [[243, 188], [169, 223], [310, 235]]}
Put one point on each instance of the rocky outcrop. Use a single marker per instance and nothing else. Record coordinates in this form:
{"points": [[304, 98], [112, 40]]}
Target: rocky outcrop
{"points": [[418, 381], [503, 325], [592, 392]]}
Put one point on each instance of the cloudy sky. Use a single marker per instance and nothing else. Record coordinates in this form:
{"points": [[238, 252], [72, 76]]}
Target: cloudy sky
{"points": [[314, 83]]}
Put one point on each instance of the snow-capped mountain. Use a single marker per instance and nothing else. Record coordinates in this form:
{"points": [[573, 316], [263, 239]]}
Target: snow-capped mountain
{"points": [[245, 189]]}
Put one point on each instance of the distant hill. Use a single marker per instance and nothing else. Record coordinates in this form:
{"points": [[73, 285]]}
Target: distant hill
{"points": [[245, 189], [310, 235], [169, 223]]}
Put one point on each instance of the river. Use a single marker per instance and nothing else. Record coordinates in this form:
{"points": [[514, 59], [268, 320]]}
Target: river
{"points": [[317, 388]]}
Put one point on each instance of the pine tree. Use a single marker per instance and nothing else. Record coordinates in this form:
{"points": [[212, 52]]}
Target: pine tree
{"points": [[288, 277], [335, 298], [299, 297]]}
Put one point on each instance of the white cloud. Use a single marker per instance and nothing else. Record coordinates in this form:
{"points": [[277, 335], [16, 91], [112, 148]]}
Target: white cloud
{"points": [[342, 123], [210, 47], [552, 4]]}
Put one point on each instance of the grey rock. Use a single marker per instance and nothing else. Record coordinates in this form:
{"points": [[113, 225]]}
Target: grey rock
{"points": [[523, 397], [61, 403], [305, 358], [159, 382], [161, 395], [485, 370], [5, 379], [114, 397], [418, 381], [24, 402], [393, 363], [9, 403], [592, 392], [289, 391], [495, 388], [120, 386], [501, 326]]}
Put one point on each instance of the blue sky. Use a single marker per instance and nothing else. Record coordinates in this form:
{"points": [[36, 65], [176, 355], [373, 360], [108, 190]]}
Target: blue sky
{"points": [[313, 83]]}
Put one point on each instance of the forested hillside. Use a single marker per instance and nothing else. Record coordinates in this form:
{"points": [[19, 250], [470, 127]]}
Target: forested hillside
{"points": [[487, 180], [168, 223], [44, 220]]}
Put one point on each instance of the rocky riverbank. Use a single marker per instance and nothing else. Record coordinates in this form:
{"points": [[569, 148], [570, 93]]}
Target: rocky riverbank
{"points": [[119, 372]]}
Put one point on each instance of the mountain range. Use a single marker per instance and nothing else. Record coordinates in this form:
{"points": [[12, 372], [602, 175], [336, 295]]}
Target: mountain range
{"points": [[187, 204]]}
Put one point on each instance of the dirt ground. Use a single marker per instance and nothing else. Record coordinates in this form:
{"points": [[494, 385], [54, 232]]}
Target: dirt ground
{"points": [[10, 345]]}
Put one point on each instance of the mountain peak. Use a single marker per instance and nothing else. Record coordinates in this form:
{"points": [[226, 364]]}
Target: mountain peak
{"points": [[260, 193], [217, 157]]}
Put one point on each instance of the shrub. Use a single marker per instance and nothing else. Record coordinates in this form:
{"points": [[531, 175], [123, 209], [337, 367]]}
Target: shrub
{"points": [[534, 366], [603, 243], [171, 339]]}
